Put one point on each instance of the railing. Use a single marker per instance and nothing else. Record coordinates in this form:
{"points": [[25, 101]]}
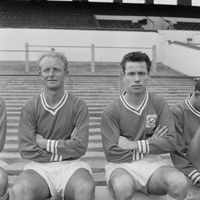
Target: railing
{"points": [[30, 49]]}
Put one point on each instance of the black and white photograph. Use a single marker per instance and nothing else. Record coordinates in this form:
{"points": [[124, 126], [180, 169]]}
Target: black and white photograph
{"points": [[99, 99]]}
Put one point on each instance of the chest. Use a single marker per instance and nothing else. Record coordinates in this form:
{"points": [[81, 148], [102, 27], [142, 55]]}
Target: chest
{"points": [[138, 125], [190, 126], [55, 126]]}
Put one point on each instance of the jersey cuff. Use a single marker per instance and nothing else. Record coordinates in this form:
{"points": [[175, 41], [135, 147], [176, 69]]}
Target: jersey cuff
{"points": [[194, 176], [137, 155], [143, 146], [52, 146], [56, 158]]}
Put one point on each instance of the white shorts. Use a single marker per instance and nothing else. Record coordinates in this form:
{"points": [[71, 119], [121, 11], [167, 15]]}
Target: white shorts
{"points": [[57, 174], [140, 170]]}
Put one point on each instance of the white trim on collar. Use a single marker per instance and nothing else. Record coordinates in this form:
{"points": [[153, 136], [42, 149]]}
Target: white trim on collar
{"points": [[53, 110], [138, 110], [192, 108]]}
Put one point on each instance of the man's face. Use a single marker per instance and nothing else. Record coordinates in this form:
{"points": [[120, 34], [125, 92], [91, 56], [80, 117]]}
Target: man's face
{"points": [[52, 72], [135, 77]]}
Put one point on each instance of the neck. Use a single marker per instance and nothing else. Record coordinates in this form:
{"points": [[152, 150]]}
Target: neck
{"points": [[53, 97], [192, 99], [135, 99]]}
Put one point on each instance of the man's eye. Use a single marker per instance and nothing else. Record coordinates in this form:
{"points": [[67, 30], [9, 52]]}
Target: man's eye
{"points": [[142, 73], [45, 70]]}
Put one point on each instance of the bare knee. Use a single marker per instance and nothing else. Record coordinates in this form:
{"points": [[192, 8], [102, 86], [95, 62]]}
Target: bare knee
{"points": [[85, 186], [22, 190], [177, 185], [3, 182], [122, 187]]}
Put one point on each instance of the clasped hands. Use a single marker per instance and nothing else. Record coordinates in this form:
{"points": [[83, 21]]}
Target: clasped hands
{"points": [[127, 144], [41, 141]]}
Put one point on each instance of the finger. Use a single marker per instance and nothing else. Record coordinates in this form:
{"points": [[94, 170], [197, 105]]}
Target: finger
{"points": [[163, 132], [162, 129], [157, 129]]}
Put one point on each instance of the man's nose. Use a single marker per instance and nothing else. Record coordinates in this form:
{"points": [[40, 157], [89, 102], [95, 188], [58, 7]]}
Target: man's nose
{"points": [[51, 72], [137, 78]]}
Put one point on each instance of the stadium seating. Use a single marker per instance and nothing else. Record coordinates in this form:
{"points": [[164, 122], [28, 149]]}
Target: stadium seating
{"points": [[120, 24], [187, 26], [75, 15], [56, 16]]}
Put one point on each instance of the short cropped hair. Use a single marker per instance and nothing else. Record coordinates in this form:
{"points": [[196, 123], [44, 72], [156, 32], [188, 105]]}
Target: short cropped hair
{"points": [[55, 54], [136, 56], [197, 85]]}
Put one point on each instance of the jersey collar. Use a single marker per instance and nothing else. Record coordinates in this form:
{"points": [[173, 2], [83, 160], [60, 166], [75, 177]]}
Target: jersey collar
{"points": [[138, 110], [53, 109], [191, 107]]}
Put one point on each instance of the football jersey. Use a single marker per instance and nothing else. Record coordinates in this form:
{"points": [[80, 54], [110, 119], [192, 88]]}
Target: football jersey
{"points": [[65, 125], [3, 123], [187, 121], [137, 124]]}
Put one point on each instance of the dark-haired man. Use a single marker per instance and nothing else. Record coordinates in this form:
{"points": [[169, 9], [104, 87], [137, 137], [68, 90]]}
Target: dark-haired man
{"points": [[136, 129], [187, 123]]}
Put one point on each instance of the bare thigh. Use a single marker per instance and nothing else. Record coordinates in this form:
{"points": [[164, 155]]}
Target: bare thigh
{"points": [[157, 184], [30, 182]]}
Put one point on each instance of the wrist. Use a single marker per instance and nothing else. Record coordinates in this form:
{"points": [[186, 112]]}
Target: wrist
{"points": [[133, 145], [143, 146], [43, 143]]}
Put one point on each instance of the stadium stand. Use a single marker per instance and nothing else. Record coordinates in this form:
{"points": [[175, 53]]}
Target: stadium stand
{"points": [[120, 24], [81, 15], [115, 23], [36, 16], [187, 26]]}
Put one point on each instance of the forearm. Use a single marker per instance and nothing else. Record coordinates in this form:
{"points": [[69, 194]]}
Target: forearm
{"points": [[117, 155], [140, 146], [67, 149], [35, 154], [182, 163], [161, 145]]}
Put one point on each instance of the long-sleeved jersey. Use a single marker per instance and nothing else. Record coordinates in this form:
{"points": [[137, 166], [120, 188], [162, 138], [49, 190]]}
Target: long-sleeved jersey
{"points": [[66, 126], [3, 123], [121, 119], [187, 121]]}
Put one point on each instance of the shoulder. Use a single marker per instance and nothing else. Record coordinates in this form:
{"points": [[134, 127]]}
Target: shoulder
{"points": [[76, 101], [157, 100], [114, 106], [178, 109], [32, 102]]}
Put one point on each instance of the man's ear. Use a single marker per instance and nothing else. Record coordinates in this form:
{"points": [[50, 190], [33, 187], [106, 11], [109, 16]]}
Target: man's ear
{"points": [[66, 72], [122, 75], [197, 93]]}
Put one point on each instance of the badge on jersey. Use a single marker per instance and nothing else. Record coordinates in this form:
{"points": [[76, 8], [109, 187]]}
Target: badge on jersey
{"points": [[151, 121]]}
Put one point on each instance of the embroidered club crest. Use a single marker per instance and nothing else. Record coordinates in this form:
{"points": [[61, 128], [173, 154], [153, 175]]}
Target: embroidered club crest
{"points": [[151, 121]]}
